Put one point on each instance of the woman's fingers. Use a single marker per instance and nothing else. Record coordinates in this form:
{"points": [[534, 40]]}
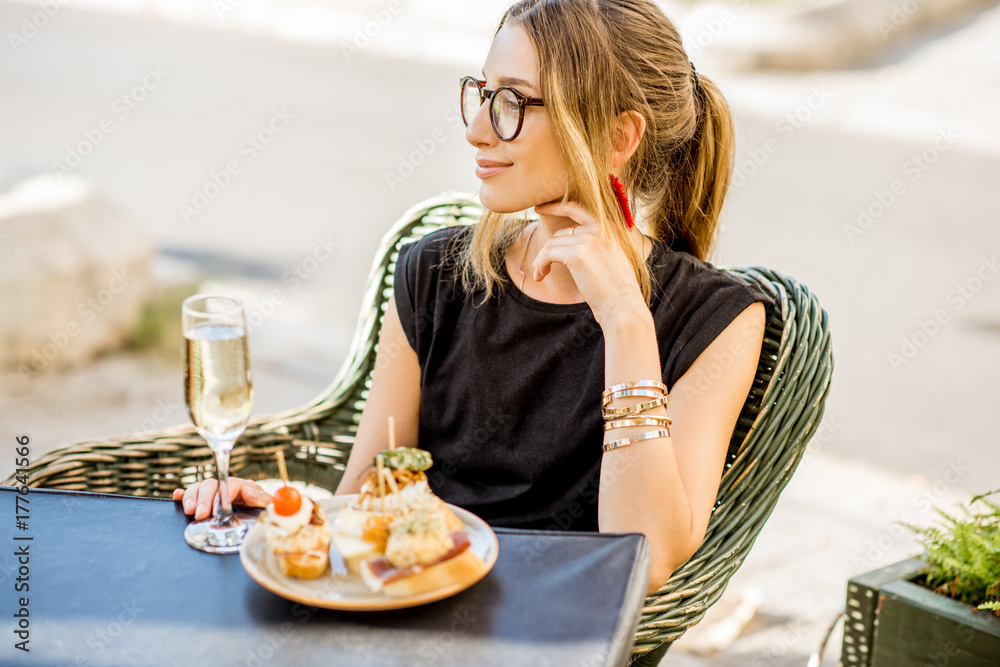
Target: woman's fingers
{"points": [[189, 499], [552, 251], [249, 493], [557, 249], [199, 498], [206, 498]]}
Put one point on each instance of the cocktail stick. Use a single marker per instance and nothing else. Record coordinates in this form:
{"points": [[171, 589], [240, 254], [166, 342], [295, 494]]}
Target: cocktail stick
{"points": [[381, 485], [392, 480], [281, 466]]}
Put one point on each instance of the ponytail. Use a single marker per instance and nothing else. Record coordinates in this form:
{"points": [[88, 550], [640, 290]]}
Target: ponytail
{"points": [[686, 215]]}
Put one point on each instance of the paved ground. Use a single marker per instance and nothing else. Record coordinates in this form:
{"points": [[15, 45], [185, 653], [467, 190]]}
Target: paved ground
{"points": [[814, 149]]}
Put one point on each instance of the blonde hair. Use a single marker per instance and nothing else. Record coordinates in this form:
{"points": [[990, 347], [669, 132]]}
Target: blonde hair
{"points": [[596, 59]]}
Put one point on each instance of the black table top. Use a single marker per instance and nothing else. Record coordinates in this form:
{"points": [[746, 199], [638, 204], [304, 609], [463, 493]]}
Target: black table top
{"points": [[112, 582]]}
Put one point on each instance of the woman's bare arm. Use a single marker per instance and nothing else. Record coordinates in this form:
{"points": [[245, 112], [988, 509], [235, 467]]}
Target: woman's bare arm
{"points": [[395, 392], [665, 487]]}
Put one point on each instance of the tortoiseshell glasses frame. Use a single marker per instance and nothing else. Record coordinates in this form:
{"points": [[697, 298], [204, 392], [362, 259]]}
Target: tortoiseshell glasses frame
{"points": [[495, 114]]}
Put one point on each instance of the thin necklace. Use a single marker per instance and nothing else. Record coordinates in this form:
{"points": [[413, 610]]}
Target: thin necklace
{"points": [[525, 255]]}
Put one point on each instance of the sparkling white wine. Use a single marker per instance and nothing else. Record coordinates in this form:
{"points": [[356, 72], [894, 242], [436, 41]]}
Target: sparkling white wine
{"points": [[218, 386]]}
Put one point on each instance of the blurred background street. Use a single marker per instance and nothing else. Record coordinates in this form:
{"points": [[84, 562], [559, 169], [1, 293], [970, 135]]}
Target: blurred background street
{"points": [[873, 183]]}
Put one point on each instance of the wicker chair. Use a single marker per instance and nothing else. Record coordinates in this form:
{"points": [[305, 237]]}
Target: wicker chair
{"points": [[781, 414]]}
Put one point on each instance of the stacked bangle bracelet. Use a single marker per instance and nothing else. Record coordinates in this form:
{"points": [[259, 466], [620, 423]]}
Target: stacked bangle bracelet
{"points": [[648, 435], [614, 413], [653, 384], [651, 420], [614, 416]]}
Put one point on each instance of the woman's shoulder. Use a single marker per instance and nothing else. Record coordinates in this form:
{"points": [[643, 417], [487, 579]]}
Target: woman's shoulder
{"points": [[696, 302], [436, 252], [682, 276], [430, 263]]}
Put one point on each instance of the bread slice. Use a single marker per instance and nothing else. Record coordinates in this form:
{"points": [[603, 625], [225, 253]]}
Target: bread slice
{"points": [[464, 567], [355, 550], [308, 565], [306, 554]]}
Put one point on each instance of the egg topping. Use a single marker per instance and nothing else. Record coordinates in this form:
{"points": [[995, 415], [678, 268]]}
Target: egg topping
{"points": [[285, 526]]}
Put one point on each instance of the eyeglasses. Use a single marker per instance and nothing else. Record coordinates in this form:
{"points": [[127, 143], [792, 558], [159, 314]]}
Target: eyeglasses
{"points": [[506, 106]]}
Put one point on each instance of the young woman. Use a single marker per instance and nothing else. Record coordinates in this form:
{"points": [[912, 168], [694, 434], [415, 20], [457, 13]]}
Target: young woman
{"points": [[513, 350]]}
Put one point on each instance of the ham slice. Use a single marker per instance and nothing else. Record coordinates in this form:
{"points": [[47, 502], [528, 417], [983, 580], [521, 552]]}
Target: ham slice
{"points": [[386, 572]]}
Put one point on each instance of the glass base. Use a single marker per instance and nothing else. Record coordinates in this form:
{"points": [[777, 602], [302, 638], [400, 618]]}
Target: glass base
{"points": [[210, 537]]}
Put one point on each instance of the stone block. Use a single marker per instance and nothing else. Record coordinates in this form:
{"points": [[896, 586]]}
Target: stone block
{"points": [[74, 275]]}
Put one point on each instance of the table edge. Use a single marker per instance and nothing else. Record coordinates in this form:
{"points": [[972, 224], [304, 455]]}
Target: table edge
{"points": [[498, 530]]}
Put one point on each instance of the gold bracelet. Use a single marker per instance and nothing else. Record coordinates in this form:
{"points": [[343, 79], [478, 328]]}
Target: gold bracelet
{"points": [[611, 413], [630, 392], [636, 383], [651, 420], [648, 435]]}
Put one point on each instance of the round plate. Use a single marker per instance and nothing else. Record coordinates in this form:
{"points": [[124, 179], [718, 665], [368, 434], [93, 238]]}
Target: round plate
{"points": [[348, 591]]}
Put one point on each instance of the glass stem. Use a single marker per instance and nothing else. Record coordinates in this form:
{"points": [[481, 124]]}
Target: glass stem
{"points": [[222, 449]]}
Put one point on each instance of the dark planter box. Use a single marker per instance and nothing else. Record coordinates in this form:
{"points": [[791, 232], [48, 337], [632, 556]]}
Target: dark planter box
{"points": [[893, 622]]}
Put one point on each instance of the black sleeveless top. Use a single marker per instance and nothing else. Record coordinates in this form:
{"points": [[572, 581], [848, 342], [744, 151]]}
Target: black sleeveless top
{"points": [[510, 405]]}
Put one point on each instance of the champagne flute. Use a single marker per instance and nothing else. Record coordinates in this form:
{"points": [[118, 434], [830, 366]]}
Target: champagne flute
{"points": [[218, 390]]}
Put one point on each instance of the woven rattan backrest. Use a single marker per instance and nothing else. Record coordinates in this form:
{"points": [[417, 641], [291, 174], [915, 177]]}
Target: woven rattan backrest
{"points": [[781, 414]]}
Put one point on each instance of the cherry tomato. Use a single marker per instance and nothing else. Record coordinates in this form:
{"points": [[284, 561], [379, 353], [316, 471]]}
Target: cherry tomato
{"points": [[287, 501]]}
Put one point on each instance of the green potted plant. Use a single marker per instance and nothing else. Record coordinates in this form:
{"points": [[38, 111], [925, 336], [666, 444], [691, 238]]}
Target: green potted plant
{"points": [[942, 608], [964, 557]]}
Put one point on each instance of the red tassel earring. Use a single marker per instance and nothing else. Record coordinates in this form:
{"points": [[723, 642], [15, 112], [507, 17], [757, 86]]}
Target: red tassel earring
{"points": [[622, 200]]}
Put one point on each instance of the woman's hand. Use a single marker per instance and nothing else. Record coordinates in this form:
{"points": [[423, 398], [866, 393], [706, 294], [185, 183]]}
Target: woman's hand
{"points": [[199, 498], [602, 272]]}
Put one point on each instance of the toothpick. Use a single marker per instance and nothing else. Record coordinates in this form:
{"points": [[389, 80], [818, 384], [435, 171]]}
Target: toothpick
{"points": [[392, 480], [381, 485], [281, 466], [392, 433]]}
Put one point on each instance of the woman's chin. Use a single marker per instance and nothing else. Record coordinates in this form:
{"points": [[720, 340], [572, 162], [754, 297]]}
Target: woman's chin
{"points": [[499, 203]]}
